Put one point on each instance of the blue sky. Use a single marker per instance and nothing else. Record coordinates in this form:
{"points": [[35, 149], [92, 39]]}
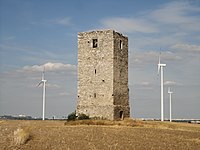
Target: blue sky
{"points": [[37, 33]]}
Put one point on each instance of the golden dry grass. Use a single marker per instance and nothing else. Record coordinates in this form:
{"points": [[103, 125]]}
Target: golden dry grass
{"points": [[1, 121], [125, 122], [101, 134], [21, 136], [138, 123], [173, 126]]}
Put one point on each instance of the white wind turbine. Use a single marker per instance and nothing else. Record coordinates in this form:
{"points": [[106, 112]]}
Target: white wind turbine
{"points": [[170, 104], [43, 81], [160, 71]]}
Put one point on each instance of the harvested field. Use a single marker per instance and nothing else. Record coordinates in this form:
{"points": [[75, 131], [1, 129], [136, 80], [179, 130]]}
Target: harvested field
{"points": [[89, 134]]}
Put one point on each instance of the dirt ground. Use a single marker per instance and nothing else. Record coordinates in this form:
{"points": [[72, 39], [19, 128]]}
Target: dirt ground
{"points": [[54, 135]]}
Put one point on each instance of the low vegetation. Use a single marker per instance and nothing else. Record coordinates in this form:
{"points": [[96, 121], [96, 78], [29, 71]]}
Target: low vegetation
{"points": [[136, 123], [98, 134], [21, 136], [83, 117], [73, 117], [125, 122]]}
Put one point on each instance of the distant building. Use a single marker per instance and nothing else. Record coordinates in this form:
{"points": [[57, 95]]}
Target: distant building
{"points": [[22, 116], [103, 75]]}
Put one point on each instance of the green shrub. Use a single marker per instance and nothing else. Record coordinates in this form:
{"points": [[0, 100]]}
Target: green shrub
{"points": [[83, 117], [72, 116]]}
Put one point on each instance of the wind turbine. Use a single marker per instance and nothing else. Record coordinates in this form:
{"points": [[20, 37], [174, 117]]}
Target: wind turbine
{"points": [[43, 81], [160, 71], [170, 103]]}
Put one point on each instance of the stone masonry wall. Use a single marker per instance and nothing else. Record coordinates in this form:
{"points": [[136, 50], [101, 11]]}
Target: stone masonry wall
{"points": [[102, 74], [121, 91]]}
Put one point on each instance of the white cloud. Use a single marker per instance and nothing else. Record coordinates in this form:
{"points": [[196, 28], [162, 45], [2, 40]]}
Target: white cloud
{"points": [[144, 57], [59, 66], [50, 67], [49, 85], [149, 57], [174, 17], [145, 83], [22, 84], [178, 13], [186, 47], [172, 83], [129, 25], [53, 86]]}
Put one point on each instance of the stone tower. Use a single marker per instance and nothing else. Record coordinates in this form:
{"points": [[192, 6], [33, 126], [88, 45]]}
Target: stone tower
{"points": [[103, 75]]}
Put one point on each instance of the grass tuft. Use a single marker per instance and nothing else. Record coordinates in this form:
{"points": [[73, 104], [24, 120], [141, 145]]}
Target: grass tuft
{"points": [[21, 136]]}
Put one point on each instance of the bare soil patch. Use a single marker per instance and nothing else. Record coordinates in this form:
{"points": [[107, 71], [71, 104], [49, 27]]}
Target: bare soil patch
{"points": [[90, 135]]}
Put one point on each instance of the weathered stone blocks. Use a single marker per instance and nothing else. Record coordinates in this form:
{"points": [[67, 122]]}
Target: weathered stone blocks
{"points": [[103, 74]]}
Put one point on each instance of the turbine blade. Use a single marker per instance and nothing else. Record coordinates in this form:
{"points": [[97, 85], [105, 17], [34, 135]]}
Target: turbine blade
{"points": [[158, 69], [159, 64], [40, 83], [168, 89]]}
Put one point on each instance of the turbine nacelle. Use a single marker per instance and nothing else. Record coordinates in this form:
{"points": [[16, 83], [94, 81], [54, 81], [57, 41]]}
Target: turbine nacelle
{"points": [[160, 65], [43, 80], [170, 92]]}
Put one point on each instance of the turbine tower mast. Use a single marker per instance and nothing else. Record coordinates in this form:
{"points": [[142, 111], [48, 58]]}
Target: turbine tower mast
{"points": [[43, 81], [160, 70], [170, 104]]}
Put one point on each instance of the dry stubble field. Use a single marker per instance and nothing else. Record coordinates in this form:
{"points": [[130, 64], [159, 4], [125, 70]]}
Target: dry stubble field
{"points": [[100, 135]]}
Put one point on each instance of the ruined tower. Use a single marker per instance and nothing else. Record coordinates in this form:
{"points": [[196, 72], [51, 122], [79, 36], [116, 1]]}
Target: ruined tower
{"points": [[103, 75]]}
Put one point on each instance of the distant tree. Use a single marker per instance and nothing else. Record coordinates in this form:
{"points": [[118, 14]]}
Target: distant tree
{"points": [[83, 117], [72, 116]]}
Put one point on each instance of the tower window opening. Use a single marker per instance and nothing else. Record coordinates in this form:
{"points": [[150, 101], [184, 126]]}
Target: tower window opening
{"points": [[95, 95], [121, 44], [95, 71], [121, 115], [94, 43]]}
